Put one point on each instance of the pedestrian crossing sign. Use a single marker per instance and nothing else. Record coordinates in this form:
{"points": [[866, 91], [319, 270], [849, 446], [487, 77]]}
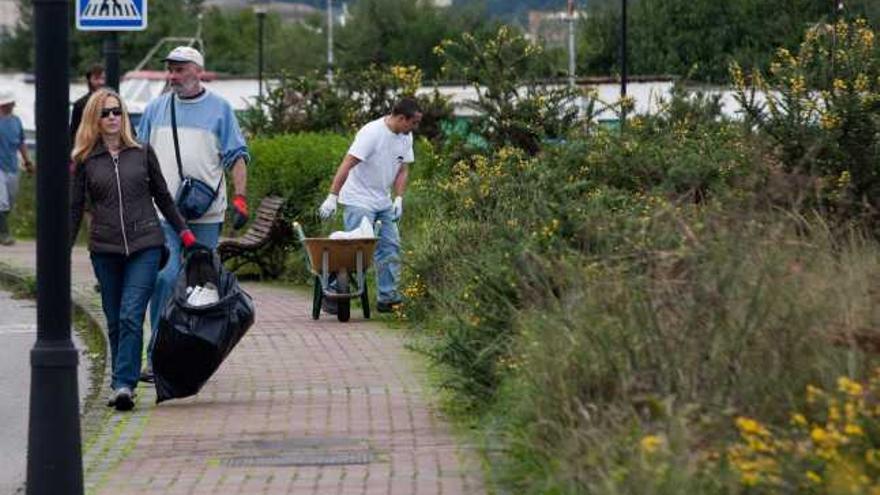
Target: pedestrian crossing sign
{"points": [[111, 15]]}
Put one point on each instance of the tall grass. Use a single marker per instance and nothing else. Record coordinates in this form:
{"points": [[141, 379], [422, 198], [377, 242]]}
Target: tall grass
{"points": [[678, 344]]}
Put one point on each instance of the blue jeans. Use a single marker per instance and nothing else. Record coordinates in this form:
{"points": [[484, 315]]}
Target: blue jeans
{"points": [[207, 234], [387, 254], [126, 285]]}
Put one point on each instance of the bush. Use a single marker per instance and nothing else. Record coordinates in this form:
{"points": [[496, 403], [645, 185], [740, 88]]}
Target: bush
{"points": [[513, 107], [822, 111], [299, 168], [610, 304], [308, 104]]}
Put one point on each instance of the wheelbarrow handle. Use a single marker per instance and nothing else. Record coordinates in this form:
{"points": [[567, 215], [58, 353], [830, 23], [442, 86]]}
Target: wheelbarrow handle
{"points": [[299, 231]]}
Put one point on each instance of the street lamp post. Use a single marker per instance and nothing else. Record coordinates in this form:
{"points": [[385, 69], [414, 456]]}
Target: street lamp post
{"points": [[261, 18], [571, 55], [54, 458], [330, 41], [623, 50]]}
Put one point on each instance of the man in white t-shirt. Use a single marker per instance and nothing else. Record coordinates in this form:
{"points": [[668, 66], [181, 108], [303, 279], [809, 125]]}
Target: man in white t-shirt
{"points": [[377, 162]]}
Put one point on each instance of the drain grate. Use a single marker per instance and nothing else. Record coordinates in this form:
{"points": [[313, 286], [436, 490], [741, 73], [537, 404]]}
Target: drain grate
{"points": [[303, 459], [304, 451]]}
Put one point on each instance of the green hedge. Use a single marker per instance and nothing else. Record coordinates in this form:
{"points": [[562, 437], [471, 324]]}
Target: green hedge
{"points": [[298, 167]]}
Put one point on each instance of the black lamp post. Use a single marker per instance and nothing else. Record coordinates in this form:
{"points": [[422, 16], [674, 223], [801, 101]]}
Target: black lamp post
{"points": [[111, 58], [623, 48], [54, 459], [261, 19]]}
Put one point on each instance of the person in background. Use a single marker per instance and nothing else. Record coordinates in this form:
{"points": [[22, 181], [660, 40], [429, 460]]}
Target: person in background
{"points": [[210, 144], [11, 143], [95, 80], [377, 162], [119, 180]]}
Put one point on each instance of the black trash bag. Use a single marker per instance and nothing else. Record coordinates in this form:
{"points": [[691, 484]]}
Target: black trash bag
{"points": [[194, 340]]}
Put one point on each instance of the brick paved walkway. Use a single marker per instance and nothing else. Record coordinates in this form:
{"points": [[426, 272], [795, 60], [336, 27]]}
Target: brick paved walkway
{"points": [[300, 407]]}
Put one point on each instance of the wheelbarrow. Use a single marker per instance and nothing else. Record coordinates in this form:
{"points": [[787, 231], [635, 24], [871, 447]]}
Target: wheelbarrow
{"points": [[347, 258]]}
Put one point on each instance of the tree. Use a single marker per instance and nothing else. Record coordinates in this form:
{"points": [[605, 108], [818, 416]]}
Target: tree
{"points": [[17, 48], [401, 32], [699, 38]]}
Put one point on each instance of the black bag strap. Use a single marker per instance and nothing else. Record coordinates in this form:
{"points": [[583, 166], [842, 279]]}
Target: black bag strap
{"points": [[177, 146], [176, 142]]}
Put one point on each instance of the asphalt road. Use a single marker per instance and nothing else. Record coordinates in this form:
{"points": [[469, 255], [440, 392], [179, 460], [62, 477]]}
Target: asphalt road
{"points": [[17, 335]]}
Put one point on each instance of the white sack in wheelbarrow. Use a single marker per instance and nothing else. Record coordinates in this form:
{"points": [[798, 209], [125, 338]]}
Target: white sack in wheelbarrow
{"points": [[363, 231]]}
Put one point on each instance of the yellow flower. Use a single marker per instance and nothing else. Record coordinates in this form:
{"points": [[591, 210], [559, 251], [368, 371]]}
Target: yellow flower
{"points": [[651, 443], [861, 83], [798, 85], [749, 479], [847, 386], [814, 478], [853, 430], [819, 435], [829, 121], [839, 84], [748, 426], [866, 36]]}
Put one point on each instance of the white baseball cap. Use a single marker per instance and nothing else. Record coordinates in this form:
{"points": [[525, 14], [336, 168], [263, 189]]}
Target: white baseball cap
{"points": [[185, 54], [6, 97]]}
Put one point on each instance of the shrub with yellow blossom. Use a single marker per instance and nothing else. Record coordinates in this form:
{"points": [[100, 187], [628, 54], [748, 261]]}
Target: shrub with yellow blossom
{"points": [[831, 447], [513, 108], [821, 106]]}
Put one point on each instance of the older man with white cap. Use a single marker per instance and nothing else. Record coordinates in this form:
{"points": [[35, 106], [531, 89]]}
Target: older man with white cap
{"points": [[197, 139], [11, 141]]}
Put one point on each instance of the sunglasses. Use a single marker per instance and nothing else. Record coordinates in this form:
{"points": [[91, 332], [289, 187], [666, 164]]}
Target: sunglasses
{"points": [[106, 112]]}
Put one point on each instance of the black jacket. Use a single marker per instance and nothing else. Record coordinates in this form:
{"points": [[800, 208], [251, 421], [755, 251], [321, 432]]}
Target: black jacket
{"points": [[120, 198]]}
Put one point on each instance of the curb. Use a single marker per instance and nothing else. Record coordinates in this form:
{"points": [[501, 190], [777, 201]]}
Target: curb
{"points": [[86, 320]]}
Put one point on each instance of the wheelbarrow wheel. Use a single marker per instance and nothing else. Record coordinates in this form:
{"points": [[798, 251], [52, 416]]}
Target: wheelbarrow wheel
{"points": [[343, 305]]}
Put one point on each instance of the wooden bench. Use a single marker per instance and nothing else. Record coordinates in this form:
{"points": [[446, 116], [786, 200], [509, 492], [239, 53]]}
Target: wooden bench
{"points": [[264, 244]]}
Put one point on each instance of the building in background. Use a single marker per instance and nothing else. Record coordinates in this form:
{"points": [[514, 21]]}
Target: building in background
{"points": [[442, 3], [549, 28], [8, 15], [288, 11]]}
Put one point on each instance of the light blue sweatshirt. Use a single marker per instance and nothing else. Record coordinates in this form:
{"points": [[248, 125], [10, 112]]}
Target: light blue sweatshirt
{"points": [[210, 142]]}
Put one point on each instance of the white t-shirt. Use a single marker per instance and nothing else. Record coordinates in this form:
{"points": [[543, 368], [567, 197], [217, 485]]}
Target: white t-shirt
{"points": [[381, 154]]}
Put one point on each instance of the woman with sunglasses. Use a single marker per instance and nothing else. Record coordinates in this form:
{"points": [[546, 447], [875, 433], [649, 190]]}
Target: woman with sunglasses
{"points": [[119, 180]]}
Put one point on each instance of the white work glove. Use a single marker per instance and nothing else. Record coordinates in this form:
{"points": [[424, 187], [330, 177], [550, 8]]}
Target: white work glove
{"points": [[328, 207], [397, 208]]}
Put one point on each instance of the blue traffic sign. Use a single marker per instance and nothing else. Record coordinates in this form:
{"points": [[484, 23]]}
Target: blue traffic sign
{"points": [[111, 15]]}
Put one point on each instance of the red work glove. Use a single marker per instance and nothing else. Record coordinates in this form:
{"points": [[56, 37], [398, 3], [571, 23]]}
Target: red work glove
{"points": [[239, 211], [187, 238]]}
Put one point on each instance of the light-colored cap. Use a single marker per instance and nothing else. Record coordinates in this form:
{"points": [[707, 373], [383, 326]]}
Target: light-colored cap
{"points": [[6, 97], [185, 54]]}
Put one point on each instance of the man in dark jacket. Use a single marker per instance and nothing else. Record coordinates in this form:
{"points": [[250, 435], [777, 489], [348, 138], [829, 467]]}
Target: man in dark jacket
{"points": [[95, 80]]}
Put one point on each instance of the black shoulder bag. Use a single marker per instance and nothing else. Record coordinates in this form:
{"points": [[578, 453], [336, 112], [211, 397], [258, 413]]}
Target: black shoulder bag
{"points": [[194, 197]]}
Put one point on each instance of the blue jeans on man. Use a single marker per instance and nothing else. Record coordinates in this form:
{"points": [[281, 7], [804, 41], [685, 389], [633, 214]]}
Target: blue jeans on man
{"points": [[207, 234], [387, 253], [126, 286]]}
